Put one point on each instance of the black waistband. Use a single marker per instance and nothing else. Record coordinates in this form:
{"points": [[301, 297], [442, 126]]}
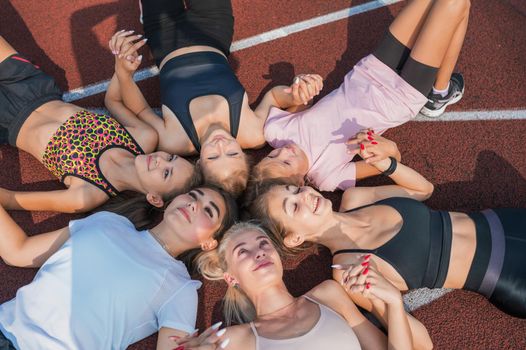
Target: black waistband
{"points": [[194, 59], [441, 236]]}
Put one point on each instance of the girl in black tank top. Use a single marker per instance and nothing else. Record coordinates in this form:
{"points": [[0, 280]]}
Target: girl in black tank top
{"points": [[410, 243]]}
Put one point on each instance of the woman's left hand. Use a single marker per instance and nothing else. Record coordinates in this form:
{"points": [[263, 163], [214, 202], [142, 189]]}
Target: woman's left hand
{"points": [[373, 147], [125, 45], [304, 87], [211, 339]]}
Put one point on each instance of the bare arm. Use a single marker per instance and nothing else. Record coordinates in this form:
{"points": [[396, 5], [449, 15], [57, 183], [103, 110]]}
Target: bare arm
{"points": [[409, 182], [403, 328], [292, 98], [17, 249], [125, 91], [72, 200]]}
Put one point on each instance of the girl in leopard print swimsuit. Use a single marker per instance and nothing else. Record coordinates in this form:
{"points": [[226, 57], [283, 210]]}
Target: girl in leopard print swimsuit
{"points": [[96, 156]]}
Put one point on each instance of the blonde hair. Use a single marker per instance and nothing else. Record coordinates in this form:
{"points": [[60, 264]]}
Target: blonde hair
{"points": [[237, 307], [235, 183], [261, 173]]}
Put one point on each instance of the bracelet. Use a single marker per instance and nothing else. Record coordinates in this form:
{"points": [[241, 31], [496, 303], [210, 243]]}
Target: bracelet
{"points": [[392, 168]]}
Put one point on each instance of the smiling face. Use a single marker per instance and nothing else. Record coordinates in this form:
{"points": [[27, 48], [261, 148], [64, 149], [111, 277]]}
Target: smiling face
{"points": [[286, 161], [198, 215], [299, 210], [252, 261], [161, 173], [221, 154]]}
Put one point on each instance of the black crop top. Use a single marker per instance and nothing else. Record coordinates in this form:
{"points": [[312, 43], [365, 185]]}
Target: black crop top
{"points": [[196, 74], [420, 251]]}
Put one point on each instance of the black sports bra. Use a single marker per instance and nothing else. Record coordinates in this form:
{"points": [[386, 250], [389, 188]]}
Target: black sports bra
{"points": [[196, 74], [420, 251]]}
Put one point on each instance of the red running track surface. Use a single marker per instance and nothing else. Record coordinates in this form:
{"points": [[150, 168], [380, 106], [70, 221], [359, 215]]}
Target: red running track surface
{"points": [[474, 165]]}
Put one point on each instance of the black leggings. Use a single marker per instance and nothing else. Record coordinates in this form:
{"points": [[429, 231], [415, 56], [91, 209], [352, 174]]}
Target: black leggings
{"points": [[498, 270], [173, 24], [396, 56]]}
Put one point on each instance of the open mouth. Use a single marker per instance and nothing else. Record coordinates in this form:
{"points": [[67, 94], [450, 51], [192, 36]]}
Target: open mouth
{"points": [[316, 204], [184, 212], [263, 265]]}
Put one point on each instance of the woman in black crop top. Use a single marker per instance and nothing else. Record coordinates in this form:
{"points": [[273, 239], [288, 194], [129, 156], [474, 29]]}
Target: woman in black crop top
{"points": [[96, 156], [410, 244], [205, 108]]}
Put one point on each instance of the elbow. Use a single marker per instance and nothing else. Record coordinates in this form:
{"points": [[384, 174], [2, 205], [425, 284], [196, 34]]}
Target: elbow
{"points": [[429, 190]]}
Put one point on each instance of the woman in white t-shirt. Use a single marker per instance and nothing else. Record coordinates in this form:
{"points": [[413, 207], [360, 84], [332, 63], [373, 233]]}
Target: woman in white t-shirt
{"points": [[103, 284]]}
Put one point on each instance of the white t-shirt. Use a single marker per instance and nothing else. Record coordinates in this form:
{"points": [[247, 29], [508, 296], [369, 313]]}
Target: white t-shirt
{"points": [[107, 287]]}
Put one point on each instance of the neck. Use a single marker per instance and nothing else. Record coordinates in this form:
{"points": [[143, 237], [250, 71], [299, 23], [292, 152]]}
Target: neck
{"points": [[209, 130], [169, 239], [121, 172], [269, 301], [340, 232]]}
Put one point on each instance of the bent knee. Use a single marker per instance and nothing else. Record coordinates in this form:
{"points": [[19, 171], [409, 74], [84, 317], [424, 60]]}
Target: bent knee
{"points": [[458, 8]]}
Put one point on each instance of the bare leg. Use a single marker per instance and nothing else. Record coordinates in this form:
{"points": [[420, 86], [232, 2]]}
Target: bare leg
{"points": [[439, 42], [450, 59], [6, 50], [408, 23]]}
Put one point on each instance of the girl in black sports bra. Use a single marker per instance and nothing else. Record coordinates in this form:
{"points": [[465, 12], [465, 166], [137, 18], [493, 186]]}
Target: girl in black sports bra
{"points": [[205, 108], [412, 245]]}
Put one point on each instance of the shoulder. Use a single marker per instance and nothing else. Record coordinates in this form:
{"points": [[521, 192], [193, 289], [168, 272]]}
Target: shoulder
{"points": [[327, 290], [241, 337], [332, 295]]}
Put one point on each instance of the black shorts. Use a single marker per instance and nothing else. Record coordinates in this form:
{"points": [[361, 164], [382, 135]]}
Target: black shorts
{"points": [[23, 88], [173, 24], [397, 57]]}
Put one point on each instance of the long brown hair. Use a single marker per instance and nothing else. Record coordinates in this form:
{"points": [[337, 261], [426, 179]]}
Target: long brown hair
{"points": [[143, 215]]}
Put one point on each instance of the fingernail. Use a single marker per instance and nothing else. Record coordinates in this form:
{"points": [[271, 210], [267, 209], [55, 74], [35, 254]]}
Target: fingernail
{"points": [[365, 263], [224, 343], [367, 256], [336, 266], [179, 347], [368, 285], [365, 271], [174, 337], [129, 58], [296, 80], [374, 143], [139, 35], [362, 147], [217, 325], [145, 39], [370, 138], [369, 133], [221, 332], [195, 332], [139, 58]]}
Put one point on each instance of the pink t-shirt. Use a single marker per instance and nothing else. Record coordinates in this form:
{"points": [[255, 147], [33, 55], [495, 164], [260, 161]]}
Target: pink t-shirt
{"points": [[372, 95]]}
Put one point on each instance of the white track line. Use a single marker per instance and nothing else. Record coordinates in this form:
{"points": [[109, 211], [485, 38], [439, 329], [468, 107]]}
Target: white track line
{"points": [[146, 73]]}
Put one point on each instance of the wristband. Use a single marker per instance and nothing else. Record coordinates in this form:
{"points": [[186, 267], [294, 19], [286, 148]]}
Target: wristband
{"points": [[392, 168]]}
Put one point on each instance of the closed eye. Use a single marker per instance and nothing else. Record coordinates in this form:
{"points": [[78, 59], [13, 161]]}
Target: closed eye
{"points": [[209, 212], [232, 154], [192, 194]]}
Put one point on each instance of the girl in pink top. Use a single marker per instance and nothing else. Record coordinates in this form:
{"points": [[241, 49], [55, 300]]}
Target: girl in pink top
{"points": [[411, 67]]}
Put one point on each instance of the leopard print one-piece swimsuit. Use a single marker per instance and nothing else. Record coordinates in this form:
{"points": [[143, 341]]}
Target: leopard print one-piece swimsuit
{"points": [[75, 148]]}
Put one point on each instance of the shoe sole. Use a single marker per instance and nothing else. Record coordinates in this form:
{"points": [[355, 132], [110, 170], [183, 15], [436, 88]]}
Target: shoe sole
{"points": [[438, 112]]}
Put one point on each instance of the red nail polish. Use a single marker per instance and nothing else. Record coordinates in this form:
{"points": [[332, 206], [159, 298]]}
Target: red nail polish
{"points": [[365, 263], [179, 347], [370, 138], [368, 285], [374, 143], [365, 271], [362, 147], [367, 256], [369, 133]]}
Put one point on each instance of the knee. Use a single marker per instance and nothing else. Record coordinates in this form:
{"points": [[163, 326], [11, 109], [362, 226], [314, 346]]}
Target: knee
{"points": [[457, 8]]}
